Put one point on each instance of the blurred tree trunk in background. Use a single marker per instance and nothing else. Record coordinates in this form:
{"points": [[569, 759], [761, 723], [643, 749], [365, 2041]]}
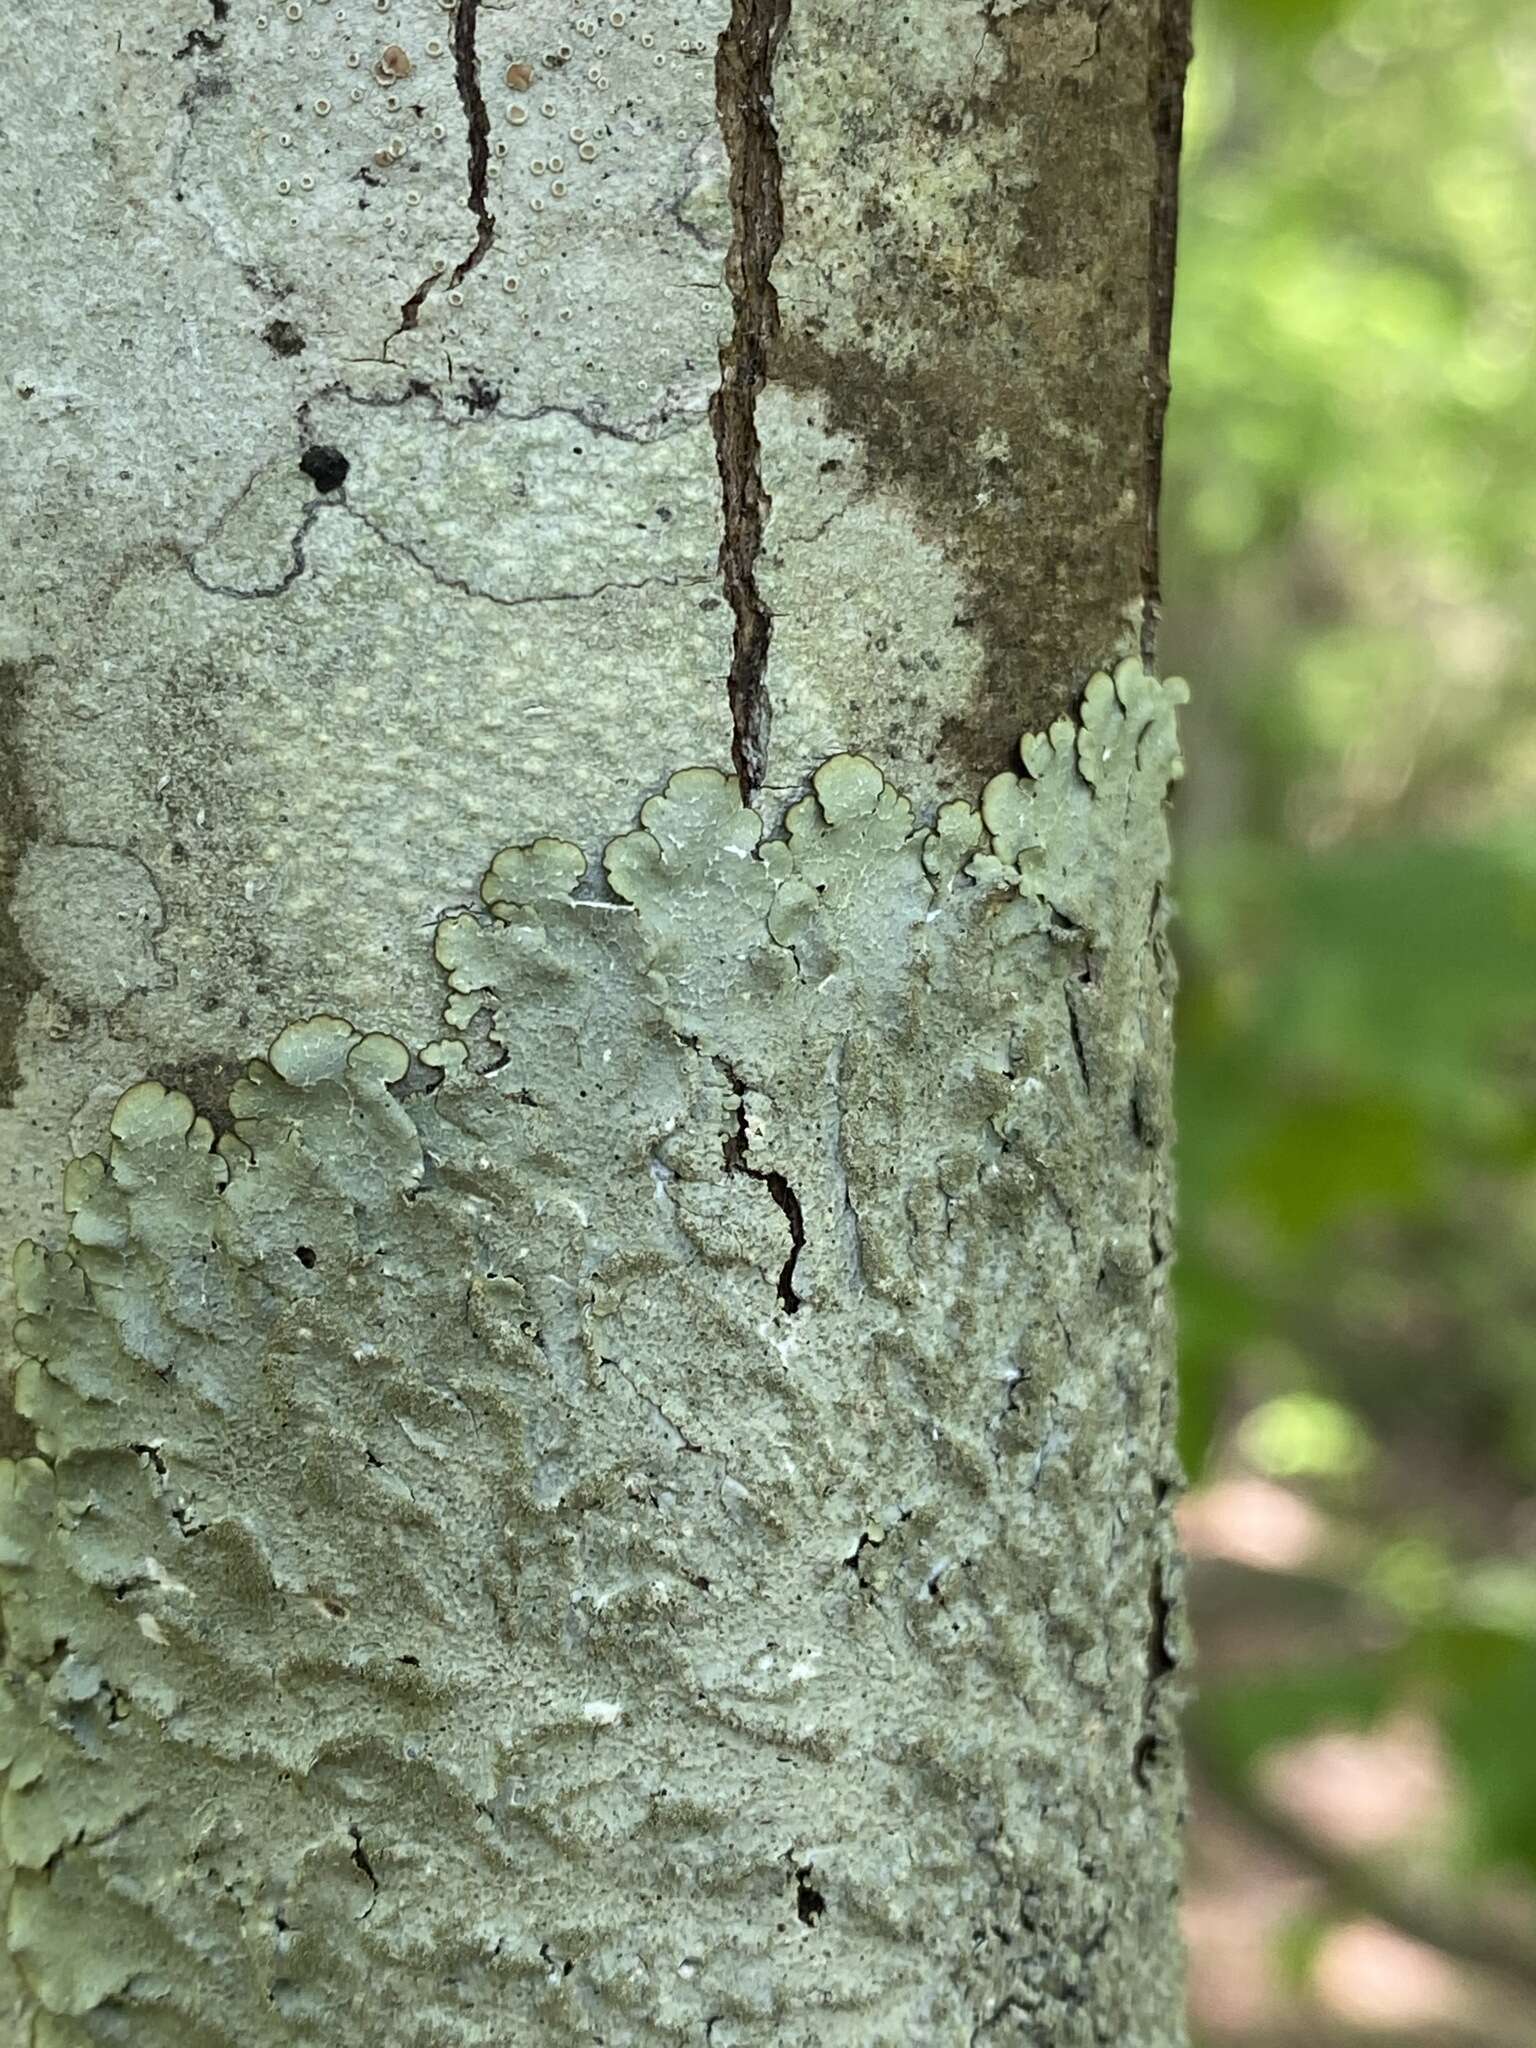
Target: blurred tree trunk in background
{"points": [[591, 1463]]}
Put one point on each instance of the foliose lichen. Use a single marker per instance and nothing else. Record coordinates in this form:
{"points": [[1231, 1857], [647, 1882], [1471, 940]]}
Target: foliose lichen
{"points": [[467, 1592]]}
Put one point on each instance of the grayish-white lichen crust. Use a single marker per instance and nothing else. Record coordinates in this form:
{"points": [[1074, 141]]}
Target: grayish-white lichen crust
{"points": [[643, 1521], [631, 1511], [231, 233]]}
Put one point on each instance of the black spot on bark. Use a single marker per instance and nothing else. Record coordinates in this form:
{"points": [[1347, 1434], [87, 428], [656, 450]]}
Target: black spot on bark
{"points": [[198, 42], [810, 1904], [283, 338], [326, 467]]}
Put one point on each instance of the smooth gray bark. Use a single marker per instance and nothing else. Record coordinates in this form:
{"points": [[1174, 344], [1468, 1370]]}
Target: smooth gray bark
{"points": [[593, 1386]]}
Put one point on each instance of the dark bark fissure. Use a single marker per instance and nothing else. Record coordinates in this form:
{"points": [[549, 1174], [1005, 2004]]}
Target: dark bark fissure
{"points": [[736, 1161], [1161, 1663], [20, 825], [1170, 63], [744, 96], [360, 1860], [477, 122], [410, 312], [810, 1900], [1079, 1048], [201, 41], [198, 43]]}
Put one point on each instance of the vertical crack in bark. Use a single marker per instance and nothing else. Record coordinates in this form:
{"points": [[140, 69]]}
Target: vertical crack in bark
{"points": [[744, 96], [20, 976], [360, 1859], [466, 76], [736, 1161], [1161, 1663], [1170, 61], [477, 122], [1079, 1048]]}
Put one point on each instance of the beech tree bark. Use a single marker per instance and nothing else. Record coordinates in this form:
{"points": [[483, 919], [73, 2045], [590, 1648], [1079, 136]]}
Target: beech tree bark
{"points": [[584, 1026]]}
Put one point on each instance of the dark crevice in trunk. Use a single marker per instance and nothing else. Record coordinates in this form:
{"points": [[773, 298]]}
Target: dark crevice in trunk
{"points": [[20, 825], [1170, 62], [360, 1859], [1079, 1047], [737, 1161], [477, 122], [410, 312], [466, 76], [744, 95], [1161, 1663]]}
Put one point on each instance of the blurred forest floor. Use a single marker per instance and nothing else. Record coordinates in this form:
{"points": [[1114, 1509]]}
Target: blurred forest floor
{"points": [[1350, 569]]}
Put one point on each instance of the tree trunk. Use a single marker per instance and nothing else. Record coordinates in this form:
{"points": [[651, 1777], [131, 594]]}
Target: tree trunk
{"points": [[592, 1462]]}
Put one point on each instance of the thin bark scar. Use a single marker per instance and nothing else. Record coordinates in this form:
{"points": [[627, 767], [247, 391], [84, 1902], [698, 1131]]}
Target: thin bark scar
{"points": [[1079, 1048], [477, 122], [744, 95], [737, 1161], [1165, 107], [466, 74], [1161, 1663]]}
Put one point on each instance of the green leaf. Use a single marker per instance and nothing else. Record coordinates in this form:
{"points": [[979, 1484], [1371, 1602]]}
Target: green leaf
{"points": [[1487, 1712], [1236, 1720]]}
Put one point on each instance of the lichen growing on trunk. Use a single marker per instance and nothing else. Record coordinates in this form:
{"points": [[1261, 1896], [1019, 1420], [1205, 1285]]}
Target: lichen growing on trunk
{"points": [[639, 1523]]}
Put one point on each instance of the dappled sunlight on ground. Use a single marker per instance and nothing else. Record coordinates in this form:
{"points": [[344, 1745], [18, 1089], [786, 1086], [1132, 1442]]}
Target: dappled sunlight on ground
{"points": [[1252, 1522], [1363, 1791], [1239, 1901], [1373, 1977]]}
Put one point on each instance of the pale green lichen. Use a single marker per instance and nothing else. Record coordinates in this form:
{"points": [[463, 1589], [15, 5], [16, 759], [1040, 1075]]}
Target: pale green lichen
{"points": [[445, 1604]]}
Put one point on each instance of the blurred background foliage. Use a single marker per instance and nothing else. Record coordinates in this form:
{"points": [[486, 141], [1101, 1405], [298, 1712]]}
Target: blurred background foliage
{"points": [[1350, 568]]}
